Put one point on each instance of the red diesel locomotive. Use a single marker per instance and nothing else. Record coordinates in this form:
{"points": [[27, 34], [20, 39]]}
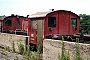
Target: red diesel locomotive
{"points": [[60, 23], [15, 23], [50, 25], [53, 25]]}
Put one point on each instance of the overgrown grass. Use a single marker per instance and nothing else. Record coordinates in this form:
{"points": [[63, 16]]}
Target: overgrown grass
{"points": [[64, 55], [7, 48], [39, 55], [77, 57], [13, 46], [16, 58], [21, 48], [30, 55], [27, 52]]}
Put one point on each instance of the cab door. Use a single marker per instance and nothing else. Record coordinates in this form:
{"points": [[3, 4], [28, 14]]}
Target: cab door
{"points": [[51, 24]]}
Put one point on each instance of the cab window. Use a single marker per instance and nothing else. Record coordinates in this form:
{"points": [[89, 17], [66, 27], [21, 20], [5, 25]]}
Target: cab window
{"points": [[51, 21], [8, 22], [73, 22]]}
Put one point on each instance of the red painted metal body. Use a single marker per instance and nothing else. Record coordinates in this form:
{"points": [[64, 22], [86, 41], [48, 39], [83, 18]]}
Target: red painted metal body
{"points": [[33, 37], [54, 23], [13, 23], [63, 23], [26, 25]]}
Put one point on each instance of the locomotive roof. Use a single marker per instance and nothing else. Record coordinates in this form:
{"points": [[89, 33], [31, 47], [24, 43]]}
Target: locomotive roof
{"points": [[65, 11], [2, 17], [39, 14], [15, 16], [43, 14]]}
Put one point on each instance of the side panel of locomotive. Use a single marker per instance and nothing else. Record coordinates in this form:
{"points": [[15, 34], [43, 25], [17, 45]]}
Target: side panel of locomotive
{"points": [[16, 23], [61, 23], [26, 25], [11, 23]]}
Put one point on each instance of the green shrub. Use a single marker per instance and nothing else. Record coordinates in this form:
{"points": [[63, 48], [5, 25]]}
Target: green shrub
{"points": [[33, 55], [39, 52], [27, 53], [30, 55], [21, 48]]}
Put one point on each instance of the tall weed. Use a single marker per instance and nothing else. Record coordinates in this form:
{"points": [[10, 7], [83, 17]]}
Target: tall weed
{"points": [[77, 57], [21, 48], [13, 46], [64, 55]]}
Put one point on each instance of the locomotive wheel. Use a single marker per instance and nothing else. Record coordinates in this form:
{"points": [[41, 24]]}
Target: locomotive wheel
{"points": [[70, 38], [49, 37], [59, 37], [81, 36]]}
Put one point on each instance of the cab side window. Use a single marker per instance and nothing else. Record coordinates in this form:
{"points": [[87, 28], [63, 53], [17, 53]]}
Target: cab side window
{"points": [[73, 22], [51, 21], [8, 22]]}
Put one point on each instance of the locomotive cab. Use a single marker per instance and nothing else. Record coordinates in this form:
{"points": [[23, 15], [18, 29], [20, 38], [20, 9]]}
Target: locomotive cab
{"points": [[16, 24], [61, 23]]}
